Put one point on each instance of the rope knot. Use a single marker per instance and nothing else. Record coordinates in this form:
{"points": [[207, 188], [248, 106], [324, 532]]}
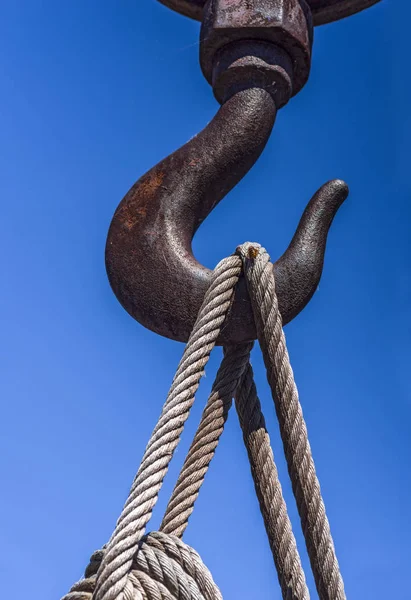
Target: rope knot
{"points": [[164, 567]]}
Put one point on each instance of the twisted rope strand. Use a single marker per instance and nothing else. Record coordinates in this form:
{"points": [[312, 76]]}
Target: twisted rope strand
{"points": [[116, 563], [164, 568], [235, 372], [260, 282], [269, 493], [205, 442], [160, 566]]}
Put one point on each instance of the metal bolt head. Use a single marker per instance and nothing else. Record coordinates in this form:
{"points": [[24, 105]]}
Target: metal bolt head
{"points": [[285, 24]]}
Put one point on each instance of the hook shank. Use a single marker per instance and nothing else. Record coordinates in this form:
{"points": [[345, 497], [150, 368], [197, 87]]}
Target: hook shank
{"points": [[149, 259]]}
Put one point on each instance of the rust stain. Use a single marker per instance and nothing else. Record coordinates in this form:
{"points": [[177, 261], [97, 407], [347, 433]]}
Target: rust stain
{"points": [[135, 205], [252, 252]]}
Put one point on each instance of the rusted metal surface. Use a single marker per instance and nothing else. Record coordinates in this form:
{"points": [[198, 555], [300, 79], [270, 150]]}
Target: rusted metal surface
{"points": [[245, 64], [256, 54], [324, 11], [286, 24], [149, 259]]}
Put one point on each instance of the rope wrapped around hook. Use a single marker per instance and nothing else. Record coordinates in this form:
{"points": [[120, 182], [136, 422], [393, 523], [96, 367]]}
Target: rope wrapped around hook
{"points": [[135, 566]]}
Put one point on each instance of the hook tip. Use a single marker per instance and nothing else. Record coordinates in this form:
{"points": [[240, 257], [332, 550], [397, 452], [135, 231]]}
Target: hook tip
{"points": [[336, 190], [298, 271]]}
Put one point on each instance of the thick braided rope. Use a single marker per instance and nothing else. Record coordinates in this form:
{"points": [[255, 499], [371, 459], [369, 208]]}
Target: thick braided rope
{"points": [[206, 439], [164, 568], [260, 282], [235, 372], [112, 577], [269, 493]]}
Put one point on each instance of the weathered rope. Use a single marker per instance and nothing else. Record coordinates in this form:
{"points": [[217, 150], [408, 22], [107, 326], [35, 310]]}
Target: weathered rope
{"points": [[206, 439], [235, 377], [113, 574], [164, 568], [260, 282], [159, 566], [269, 493]]}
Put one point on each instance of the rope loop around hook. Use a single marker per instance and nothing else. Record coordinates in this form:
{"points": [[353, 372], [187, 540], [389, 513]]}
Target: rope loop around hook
{"points": [[159, 565]]}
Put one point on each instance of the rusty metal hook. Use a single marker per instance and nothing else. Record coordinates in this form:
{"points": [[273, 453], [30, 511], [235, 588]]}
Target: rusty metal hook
{"points": [[149, 258], [256, 54]]}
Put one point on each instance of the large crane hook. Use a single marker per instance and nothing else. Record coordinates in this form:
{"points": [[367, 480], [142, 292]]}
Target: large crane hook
{"points": [[256, 54]]}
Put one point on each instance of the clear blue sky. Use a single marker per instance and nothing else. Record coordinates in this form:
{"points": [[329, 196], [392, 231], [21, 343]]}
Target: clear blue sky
{"points": [[92, 94]]}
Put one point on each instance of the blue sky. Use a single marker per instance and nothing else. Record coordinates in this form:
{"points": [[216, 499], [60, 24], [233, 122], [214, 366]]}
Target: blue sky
{"points": [[94, 93]]}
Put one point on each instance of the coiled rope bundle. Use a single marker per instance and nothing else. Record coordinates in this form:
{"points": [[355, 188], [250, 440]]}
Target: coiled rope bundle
{"points": [[135, 566]]}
